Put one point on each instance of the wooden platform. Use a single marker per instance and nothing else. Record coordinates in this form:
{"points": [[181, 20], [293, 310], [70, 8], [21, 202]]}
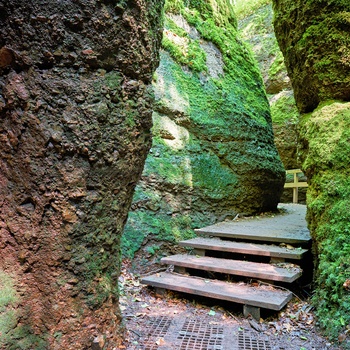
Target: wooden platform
{"points": [[289, 228], [255, 238], [243, 248], [265, 297], [235, 267], [247, 231]]}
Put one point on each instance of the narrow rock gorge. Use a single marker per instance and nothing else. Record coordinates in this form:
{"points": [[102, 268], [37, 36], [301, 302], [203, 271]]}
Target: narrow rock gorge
{"points": [[76, 113], [255, 24], [314, 38], [213, 155]]}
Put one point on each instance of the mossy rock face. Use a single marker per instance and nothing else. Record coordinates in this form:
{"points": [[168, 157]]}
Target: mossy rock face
{"points": [[325, 140], [257, 29], [255, 25], [213, 154], [314, 38]]}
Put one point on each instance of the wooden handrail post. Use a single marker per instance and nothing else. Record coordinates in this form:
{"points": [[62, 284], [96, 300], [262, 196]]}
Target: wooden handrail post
{"points": [[295, 184]]}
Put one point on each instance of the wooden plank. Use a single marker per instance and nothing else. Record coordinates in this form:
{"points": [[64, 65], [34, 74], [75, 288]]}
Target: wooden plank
{"points": [[293, 171], [235, 267], [295, 184], [243, 248], [263, 296], [281, 228]]}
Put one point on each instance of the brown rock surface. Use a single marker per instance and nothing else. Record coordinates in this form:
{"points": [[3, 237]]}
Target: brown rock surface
{"points": [[75, 105]]}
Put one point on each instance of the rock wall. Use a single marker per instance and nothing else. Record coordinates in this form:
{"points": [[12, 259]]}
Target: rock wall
{"points": [[314, 38], [76, 106], [213, 154], [256, 28]]}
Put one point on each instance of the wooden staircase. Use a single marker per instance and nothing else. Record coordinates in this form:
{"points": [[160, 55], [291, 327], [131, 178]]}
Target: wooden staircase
{"points": [[240, 251]]}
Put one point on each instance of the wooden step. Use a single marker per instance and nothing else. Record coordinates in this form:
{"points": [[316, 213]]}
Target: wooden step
{"points": [[267, 232], [243, 248], [235, 267], [263, 296]]}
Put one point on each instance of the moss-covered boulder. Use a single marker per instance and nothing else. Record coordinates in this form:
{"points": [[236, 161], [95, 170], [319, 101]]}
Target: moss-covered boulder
{"points": [[325, 137], [213, 154], [314, 38]]}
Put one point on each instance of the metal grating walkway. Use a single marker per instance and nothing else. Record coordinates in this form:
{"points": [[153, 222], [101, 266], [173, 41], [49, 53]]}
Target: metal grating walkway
{"points": [[198, 335], [248, 341], [194, 333], [156, 328]]}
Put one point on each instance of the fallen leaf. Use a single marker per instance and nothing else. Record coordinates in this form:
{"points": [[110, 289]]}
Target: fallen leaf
{"points": [[160, 342], [341, 337]]}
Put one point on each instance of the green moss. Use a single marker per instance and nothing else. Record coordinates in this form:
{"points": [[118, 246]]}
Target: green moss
{"points": [[173, 6], [219, 105], [14, 336], [326, 160], [333, 58], [329, 206], [284, 110], [8, 295], [328, 132], [314, 38], [162, 227], [189, 54], [246, 8], [8, 315], [221, 11], [277, 65]]}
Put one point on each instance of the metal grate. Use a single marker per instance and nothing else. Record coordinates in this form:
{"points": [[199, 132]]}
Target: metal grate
{"points": [[156, 329], [197, 335], [247, 341]]}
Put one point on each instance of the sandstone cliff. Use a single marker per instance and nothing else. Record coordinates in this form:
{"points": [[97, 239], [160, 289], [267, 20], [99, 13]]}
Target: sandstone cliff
{"points": [[75, 119], [213, 153], [255, 24], [314, 38]]}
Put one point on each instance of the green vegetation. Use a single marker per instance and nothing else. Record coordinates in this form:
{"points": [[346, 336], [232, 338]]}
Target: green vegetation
{"points": [[221, 11], [245, 8], [8, 295], [327, 130], [278, 64], [182, 48], [284, 110], [12, 335]]}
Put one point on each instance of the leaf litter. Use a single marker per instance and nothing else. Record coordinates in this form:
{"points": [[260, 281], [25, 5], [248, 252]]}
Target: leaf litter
{"points": [[295, 326]]}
